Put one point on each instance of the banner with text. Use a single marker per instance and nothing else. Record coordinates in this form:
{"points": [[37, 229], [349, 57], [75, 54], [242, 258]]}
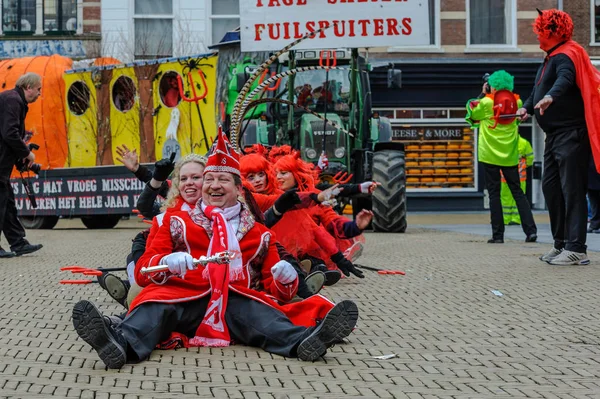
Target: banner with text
{"points": [[268, 25], [78, 196]]}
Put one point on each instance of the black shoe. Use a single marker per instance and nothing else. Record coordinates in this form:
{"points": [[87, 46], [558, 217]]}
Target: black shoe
{"points": [[115, 287], [7, 254], [531, 238], [336, 326], [26, 248], [319, 267], [496, 241], [315, 282], [332, 277], [92, 327]]}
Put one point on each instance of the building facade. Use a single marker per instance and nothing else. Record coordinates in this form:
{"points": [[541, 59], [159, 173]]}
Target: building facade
{"points": [[45, 27], [139, 29], [469, 38]]}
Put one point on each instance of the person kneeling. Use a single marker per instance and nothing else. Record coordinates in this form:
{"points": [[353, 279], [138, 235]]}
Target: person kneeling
{"points": [[216, 304]]}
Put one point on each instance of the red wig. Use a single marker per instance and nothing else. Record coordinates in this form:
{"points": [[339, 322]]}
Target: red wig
{"points": [[257, 149], [553, 23], [255, 163], [302, 171], [278, 152]]}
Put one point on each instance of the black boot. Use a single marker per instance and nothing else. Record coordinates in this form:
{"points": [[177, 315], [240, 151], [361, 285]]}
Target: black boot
{"points": [[336, 326], [92, 327]]}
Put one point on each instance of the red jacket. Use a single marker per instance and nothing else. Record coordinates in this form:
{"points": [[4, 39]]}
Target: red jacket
{"points": [[191, 232], [180, 232]]}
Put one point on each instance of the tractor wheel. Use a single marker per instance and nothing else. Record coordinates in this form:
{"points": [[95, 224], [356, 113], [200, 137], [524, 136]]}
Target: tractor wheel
{"points": [[39, 222], [389, 200], [100, 222]]}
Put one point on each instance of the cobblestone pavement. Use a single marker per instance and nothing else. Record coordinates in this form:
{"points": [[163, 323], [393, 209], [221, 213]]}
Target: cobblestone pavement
{"points": [[537, 337]]}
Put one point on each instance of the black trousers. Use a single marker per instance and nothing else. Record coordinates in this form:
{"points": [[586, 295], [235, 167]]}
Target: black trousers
{"points": [[594, 197], [9, 222], [249, 322], [566, 161], [492, 183]]}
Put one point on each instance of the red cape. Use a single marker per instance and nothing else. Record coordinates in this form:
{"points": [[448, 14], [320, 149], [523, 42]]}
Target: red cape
{"points": [[588, 81]]}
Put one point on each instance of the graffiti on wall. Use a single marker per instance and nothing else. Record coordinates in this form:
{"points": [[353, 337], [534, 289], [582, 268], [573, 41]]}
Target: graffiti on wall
{"points": [[30, 48]]}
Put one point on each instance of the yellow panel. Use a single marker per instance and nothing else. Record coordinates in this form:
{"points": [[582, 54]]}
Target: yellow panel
{"points": [[206, 106], [82, 128], [125, 125], [164, 114]]}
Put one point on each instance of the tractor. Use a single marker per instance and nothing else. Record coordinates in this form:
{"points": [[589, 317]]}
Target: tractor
{"points": [[355, 139]]}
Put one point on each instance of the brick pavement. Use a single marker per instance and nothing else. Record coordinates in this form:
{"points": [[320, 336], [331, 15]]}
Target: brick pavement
{"points": [[452, 335]]}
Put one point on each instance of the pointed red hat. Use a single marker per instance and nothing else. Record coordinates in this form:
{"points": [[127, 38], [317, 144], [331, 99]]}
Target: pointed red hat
{"points": [[222, 156]]}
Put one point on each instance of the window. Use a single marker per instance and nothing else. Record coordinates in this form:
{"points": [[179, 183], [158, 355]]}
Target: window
{"points": [[153, 28], [225, 16], [491, 22], [169, 89], [123, 93], [595, 21], [60, 16], [18, 16], [78, 98]]}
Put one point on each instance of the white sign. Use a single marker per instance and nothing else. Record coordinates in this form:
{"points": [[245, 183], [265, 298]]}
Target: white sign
{"points": [[268, 25]]}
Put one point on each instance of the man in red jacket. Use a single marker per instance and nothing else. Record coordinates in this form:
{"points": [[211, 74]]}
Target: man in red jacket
{"points": [[217, 304]]}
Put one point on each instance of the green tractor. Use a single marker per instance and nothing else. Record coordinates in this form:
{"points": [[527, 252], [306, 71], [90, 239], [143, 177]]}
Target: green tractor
{"points": [[341, 94]]}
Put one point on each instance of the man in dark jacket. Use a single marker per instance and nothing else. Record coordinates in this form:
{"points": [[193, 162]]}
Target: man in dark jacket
{"points": [[13, 110], [558, 105]]}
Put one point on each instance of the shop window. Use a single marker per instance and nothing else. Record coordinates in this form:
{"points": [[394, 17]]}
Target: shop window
{"points": [[386, 113], [595, 7], [408, 114], [435, 113], [153, 28], [60, 16], [169, 89], [491, 22], [438, 157], [123, 93], [225, 16], [78, 98], [18, 16]]}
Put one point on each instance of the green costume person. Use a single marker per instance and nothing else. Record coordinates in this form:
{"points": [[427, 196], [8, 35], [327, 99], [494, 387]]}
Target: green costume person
{"points": [[498, 150], [509, 206]]}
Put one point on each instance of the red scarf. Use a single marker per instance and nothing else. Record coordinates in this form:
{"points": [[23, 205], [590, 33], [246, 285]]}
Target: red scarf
{"points": [[213, 330]]}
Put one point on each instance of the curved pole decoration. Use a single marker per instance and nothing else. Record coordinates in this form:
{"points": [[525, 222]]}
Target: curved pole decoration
{"points": [[269, 81], [246, 88]]}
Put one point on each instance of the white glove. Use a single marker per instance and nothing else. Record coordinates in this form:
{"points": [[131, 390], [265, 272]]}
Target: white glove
{"points": [[331, 192], [284, 272], [179, 263], [364, 187], [323, 161]]}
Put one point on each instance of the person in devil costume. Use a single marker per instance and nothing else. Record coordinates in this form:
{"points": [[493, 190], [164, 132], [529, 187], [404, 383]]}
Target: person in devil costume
{"points": [[498, 150], [565, 101]]}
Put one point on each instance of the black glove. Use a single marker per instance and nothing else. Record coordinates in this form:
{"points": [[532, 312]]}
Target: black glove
{"points": [[345, 265], [286, 201], [163, 168]]}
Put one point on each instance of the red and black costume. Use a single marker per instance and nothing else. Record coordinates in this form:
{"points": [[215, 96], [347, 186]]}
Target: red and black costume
{"points": [[570, 123]]}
